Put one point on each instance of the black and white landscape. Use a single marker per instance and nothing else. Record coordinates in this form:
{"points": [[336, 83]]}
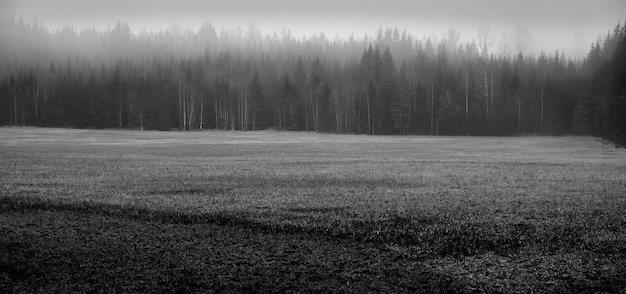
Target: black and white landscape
{"points": [[318, 146]]}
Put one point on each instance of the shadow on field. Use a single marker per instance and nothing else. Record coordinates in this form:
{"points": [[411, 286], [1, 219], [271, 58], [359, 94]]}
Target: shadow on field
{"points": [[435, 235], [432, 234], [48, 246], [85, 246]]}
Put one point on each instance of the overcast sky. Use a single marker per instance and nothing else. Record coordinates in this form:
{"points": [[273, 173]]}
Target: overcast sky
{"points": [[553, 24]]}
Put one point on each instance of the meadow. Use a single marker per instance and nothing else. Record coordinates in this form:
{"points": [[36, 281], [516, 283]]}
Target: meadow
{"points": [[130, 211]]}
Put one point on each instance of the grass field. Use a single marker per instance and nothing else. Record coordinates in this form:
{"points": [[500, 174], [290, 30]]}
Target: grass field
{"points": [[129, 211]]}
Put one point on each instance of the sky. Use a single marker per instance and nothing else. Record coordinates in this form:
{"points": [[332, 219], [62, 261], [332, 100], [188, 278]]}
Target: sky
{"points": [[569, 25]]}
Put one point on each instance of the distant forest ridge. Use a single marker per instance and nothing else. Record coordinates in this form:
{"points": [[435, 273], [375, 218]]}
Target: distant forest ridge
{"points": [[391, 83]]}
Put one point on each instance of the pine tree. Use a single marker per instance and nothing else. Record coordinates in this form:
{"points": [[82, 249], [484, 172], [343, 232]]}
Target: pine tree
{"points": [[617, 102]]}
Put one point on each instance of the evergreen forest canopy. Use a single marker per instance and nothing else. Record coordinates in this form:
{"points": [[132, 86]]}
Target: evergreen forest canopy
{"points": [[392, 83]]}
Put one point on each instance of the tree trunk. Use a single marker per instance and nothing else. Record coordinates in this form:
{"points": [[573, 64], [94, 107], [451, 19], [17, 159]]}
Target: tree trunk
{"points": [[306, 115], [491, 95], [253, 119], [230, 108], [23, 100], [184, 99], [217, 116], [466, 97], [141, 120], [119, 109], [315, 111], [519, 117], [541, 121], [181, 120], [14, 107], [370, 127], [201, 113], [432, 106], [37, 102]]}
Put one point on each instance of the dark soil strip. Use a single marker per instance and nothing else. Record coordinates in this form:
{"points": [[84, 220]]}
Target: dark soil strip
{"points": [[434, 236], [50, 246], [47, 249]]}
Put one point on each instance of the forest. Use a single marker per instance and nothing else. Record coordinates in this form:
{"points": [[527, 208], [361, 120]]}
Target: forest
{"points": [[387, 83]]}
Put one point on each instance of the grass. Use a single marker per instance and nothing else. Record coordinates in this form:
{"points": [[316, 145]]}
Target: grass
{"points": [[126, 211]]}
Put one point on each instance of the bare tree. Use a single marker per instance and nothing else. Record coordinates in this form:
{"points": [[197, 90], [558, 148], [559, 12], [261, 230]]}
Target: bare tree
{"points": [[485, 40], [505, 45], [523, 39], [454, 38]]}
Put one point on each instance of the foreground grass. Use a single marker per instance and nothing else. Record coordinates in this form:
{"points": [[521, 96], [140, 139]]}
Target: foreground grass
{"points": [[264, 211]]}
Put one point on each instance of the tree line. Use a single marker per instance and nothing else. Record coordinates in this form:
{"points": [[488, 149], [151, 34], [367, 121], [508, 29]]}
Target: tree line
{"points": [[391, 83]]}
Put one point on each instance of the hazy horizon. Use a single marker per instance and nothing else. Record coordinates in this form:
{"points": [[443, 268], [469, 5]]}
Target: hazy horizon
{"points": [[571, 26]]}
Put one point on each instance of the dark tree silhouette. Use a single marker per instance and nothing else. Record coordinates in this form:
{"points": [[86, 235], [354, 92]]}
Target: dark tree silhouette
{"points": [[235, 80]]}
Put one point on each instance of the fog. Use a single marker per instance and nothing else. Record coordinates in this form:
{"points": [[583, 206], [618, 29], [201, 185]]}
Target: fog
{"points": [[570, 26]]}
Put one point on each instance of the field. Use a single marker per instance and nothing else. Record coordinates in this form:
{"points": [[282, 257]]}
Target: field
{"points": [[129, 211]]}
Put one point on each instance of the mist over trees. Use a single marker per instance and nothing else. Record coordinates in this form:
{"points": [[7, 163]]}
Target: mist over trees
{"points": [[389, 83]]}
